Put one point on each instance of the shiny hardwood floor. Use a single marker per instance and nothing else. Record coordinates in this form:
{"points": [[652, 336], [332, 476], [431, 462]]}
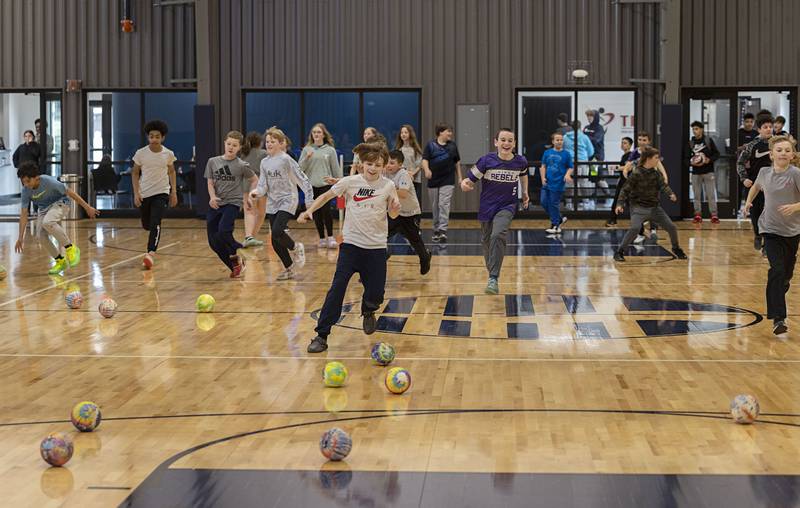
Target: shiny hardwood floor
{"points": [[580, 365]]}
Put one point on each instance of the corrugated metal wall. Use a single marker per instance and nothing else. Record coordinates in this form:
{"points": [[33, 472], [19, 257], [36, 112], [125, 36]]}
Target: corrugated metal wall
{"points": [[458, 51], [740, 42]]}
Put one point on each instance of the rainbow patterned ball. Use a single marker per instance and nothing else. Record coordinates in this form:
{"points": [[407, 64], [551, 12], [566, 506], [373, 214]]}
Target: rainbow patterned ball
{"points": [[205, 303], [3, 272], [85, 416], [744, 409], [334, 374], [74, 299], [398, 380], [107, 307], [382, 353], [56, 449], [335, 444]]}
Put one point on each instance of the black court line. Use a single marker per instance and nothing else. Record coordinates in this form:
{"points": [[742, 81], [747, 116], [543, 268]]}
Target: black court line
{"points": [[392, 412], [171, 460], [102, 487]]}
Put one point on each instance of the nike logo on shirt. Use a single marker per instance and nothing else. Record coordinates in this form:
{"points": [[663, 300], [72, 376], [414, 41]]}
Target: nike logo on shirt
{"points": [[363, 194], [761, 154], [37, 196], [362, 198]]}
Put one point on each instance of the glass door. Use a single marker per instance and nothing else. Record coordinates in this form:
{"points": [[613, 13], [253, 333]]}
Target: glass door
{"points": [[48, 132], [717, 114]]}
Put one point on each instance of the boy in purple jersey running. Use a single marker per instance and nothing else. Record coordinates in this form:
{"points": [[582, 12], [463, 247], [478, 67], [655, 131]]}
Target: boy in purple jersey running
{"points": [[501, 171]]}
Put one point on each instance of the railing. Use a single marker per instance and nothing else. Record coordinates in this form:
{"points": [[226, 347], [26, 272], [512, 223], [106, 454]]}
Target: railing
{"points": [[594, 184], [109, 197]]}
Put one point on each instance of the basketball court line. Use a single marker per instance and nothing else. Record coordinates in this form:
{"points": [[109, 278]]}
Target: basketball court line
{"points": [[79, 277], [398, 359]]}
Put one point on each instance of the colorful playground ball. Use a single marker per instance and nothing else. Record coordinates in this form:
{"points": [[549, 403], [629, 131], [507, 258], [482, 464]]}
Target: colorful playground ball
{"points": [[398, 380], [744, 409], [334, 374], [382, 353], [205, 303], [74, 299], [335, 444], [107, 307], [56, 449], [3, 272], [85, 416]]}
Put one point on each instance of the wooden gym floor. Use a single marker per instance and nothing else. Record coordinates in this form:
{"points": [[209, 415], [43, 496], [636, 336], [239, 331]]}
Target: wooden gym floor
{"points": [[584, 383]]}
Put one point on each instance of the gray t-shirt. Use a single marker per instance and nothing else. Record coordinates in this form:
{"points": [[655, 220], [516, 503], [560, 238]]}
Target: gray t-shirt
{"points": [[409, 205], [254, 158], [279, 180], [231, 179], [48, 192], [779, 189]]}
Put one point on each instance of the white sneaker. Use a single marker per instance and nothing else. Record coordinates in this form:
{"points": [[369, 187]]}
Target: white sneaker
{"points": [[563, 219], [639, 239], [286, 274], [332, 243], [298, 254], [323, 244], [553, 230]]}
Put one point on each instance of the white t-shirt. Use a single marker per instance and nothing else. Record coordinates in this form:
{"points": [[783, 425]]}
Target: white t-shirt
{"points": [[365, 220], [409, 205], [155, 177]]}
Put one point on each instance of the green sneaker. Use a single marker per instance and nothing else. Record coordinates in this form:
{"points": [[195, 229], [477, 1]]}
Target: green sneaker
{"points": [[59, 267], [492, 287], [252, 242], [73, 255]]}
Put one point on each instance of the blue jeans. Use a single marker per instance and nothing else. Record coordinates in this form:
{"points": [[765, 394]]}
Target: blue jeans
{"points": [[551, 202], [220, 224]]}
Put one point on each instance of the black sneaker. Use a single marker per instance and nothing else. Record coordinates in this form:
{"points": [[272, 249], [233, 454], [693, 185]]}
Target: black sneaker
{"points": [[435, 237], [678, 252], [442, 237], [318, 345], [618, 256], [425, 263], [779, 327], [369, 324]]}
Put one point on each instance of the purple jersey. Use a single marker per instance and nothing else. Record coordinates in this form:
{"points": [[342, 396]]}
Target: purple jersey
{"points": [[499, 188]]}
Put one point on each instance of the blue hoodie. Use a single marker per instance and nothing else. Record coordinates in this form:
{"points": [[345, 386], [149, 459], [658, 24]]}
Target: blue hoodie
{"points": [[597, 134], [585, 147]]}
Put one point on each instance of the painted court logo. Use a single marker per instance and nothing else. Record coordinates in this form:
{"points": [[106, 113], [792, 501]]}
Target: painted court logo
{"points": [[549, 317], [364, 194]]}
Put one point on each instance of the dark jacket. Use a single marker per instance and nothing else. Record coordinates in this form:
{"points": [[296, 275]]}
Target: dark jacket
{"points": [[597, 135], [27, 152], [754, 157], [706, 146], [643, 186]]}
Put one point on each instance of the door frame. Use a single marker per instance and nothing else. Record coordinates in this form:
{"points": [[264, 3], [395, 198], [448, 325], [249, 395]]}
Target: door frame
{"points": [[731, 93]]}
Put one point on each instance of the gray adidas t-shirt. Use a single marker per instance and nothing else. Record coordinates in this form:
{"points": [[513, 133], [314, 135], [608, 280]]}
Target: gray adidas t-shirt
{"points": [[779, 189], [231, 179], [409, 205]]}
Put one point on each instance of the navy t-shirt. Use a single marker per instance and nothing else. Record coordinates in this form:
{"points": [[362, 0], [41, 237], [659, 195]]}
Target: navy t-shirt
{"points": [[442, 161]]}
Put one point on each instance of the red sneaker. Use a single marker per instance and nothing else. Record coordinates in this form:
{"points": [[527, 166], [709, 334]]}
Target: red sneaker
{"points": [[714, 219], [238, 267], [148, 261], [697, 218]]}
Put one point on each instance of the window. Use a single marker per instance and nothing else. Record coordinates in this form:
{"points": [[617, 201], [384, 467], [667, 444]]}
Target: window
{"points": [[388, 111], [281, 109], [339, 112]]}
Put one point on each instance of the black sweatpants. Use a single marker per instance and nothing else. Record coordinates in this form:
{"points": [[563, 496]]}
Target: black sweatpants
{"points": [[220, 224], [370, 264], [620, 185], [409, 228], [782, 255], [323, 218], [756, 210], [281, 241], [153, 208]]}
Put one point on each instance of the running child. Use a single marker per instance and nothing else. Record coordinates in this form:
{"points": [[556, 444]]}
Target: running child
{"points": [[369, 196], [642, 192], [229, 181], [407, 223], [51, 197], [556, 170], [501, 173], [280, 177], [754, 157], [154, 187], [779, 223]]}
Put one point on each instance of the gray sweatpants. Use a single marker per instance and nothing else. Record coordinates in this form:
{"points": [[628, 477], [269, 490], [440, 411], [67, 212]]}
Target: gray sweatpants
{"points": [[494, 238], [640, 215], [708, 185], [440, 206], [49, 223]]}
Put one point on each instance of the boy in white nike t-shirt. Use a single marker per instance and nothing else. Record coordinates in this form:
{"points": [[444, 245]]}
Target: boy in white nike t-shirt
{"points": [[363, 250], [154, 187]]}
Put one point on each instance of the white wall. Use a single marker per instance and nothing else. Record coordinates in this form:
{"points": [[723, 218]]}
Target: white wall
{"points": [[777, 103], [16, 116]]}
